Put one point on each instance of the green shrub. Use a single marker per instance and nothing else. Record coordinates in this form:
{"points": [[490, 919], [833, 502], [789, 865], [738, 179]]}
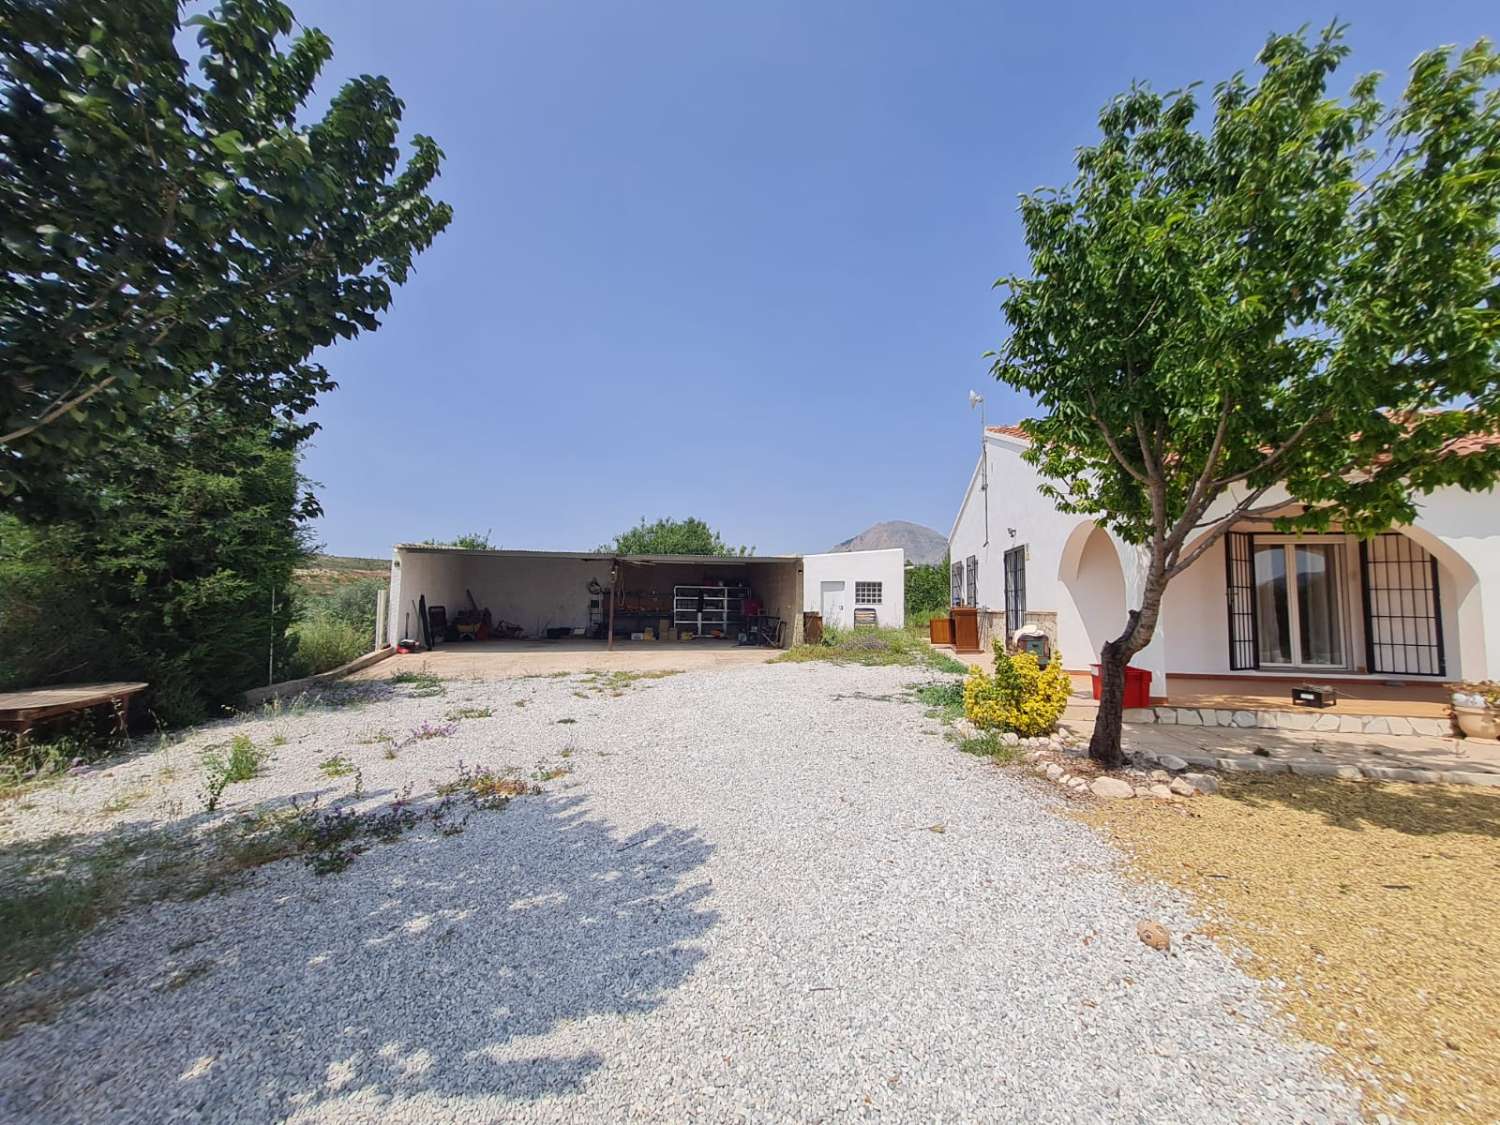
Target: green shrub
{"points": [[352, 603], [1022, 696], [927, 592], [874, 646], [324, 642], [944, 697]]}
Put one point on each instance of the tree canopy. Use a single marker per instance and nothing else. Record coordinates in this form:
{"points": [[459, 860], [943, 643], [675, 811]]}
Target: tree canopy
{"points": [[1296, 304], [469, 541], [672, 537], [169, 233]]}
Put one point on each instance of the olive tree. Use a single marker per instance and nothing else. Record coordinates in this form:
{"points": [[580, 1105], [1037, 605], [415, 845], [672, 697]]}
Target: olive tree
{"points": [[1287, 308]]}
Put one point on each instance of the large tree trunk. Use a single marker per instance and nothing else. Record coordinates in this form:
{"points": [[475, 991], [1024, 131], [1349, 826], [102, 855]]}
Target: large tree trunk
{"points": [[1104, 746]]}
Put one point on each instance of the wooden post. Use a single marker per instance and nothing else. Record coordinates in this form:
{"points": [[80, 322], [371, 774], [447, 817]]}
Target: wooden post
{"points": [[614, 587]]}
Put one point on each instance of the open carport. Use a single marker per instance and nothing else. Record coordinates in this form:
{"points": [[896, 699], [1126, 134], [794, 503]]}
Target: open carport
{"points": [[596, 599]]}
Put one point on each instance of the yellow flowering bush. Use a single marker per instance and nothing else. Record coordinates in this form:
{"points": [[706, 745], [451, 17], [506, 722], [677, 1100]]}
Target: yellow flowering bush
{"points": [[1021, 696], [982, 703]]}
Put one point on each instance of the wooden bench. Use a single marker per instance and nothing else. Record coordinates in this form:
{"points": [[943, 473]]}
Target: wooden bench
{"points": [[21, 710]]}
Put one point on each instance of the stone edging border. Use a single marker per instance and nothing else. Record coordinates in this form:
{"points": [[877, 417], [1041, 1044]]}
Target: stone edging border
{"points": [[1292, 720], [256, 696], [1177, 763]]}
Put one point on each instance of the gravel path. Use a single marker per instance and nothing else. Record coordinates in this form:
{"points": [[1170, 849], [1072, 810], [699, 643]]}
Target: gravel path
{"points": [[769, 892]]}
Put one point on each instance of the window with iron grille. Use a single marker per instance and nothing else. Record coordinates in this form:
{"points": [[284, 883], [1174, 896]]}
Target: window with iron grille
{"points": [[1015, 589], [956, 585], [867, 593], [972, 566], [1403, 610]]}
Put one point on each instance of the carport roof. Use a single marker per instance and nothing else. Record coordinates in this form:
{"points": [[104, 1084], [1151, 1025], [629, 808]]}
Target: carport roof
{"points": [[588, 556]]}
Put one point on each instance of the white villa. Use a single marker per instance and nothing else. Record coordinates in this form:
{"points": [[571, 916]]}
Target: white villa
{"points": [[1417, 606]]}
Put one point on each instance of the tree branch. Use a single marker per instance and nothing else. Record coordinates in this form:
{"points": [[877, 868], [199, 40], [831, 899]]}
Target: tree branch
{"points": [[1274, 456], [1244, 508], [1109, 440], [57, 411]]}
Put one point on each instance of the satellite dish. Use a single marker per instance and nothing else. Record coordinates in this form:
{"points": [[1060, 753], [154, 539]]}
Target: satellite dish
{"points": [[975, 398]]}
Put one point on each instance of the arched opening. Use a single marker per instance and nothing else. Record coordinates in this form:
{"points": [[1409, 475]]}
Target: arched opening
{"points": [[1094, 582], [1456, 606]]}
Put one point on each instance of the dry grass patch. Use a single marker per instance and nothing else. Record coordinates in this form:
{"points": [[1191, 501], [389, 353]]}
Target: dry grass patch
{"points": [[1375, 903]]}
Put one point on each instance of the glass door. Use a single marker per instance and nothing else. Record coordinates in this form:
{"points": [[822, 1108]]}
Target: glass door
{"points": [[1297, 604]]}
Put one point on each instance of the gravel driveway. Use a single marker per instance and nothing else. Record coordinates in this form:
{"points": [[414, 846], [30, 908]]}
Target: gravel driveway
{"points": [[769, 892]]}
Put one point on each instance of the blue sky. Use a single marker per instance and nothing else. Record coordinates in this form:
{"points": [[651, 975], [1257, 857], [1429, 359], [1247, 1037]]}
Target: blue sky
{"points": [[729, 260]]}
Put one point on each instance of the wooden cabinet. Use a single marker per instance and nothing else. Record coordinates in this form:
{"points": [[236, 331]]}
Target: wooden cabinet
{"points": [[965, 628]]}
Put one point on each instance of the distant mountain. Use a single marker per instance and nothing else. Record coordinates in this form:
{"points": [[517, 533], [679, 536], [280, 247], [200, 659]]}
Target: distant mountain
{"points": [[921, 544]]}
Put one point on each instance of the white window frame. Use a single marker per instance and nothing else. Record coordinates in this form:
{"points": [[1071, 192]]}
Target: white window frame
{"points": [[1288, 544], [862, 592]]}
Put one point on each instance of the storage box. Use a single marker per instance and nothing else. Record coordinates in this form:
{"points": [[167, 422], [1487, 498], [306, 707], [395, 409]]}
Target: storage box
{"points": [[637, 636], [1137, 685], [1314, 695]]}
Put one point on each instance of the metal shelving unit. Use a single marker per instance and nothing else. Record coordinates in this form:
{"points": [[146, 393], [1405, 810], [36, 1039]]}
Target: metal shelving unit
{"points": [[704, 609]]}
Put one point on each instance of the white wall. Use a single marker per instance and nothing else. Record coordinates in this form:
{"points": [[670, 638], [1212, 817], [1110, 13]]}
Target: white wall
{"points": [[845, 568], [1460, 529], [531, 592], [1017, 504]]}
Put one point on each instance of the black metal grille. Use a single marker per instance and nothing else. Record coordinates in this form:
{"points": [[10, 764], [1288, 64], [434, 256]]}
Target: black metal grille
{"points": [[1403, 610], [956, 585], [1239, 575], [973, 569], [1015, 589]]}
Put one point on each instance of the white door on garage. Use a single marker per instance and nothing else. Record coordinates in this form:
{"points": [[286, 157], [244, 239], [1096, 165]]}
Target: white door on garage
{"points": [[833, 603]]}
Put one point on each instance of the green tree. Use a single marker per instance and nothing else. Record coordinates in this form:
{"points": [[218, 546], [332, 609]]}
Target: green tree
{"points": [[1290, 313], [469, 541], [927, 590], [167, 233], [672, 537], [180, 575]]}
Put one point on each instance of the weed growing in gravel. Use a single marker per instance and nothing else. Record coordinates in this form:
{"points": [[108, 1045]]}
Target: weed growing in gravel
{"points": [[522, 702], [486, 788], [874, 647], [222, 766], [468, 713], [615, 684], [944, 699], [239, 761], [429, 730], [336, 766], [566, 721], [278, 739], [40, 763], [124, 800], [552, 773], [422, 683], [988, 745]]}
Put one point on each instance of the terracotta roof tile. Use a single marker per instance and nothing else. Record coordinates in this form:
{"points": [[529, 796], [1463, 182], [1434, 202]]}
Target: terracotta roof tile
{"points": [[1010, 432]]}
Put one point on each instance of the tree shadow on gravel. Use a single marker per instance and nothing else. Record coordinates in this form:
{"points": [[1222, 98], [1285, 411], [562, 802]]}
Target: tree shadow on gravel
{"points": [[422, 971]]}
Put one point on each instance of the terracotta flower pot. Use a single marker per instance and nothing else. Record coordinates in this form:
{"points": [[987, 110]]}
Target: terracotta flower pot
{"points": [[1478, 722]]}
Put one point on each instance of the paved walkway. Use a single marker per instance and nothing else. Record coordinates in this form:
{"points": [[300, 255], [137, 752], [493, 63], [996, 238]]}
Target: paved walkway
{"points": [[1384, 757]]}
